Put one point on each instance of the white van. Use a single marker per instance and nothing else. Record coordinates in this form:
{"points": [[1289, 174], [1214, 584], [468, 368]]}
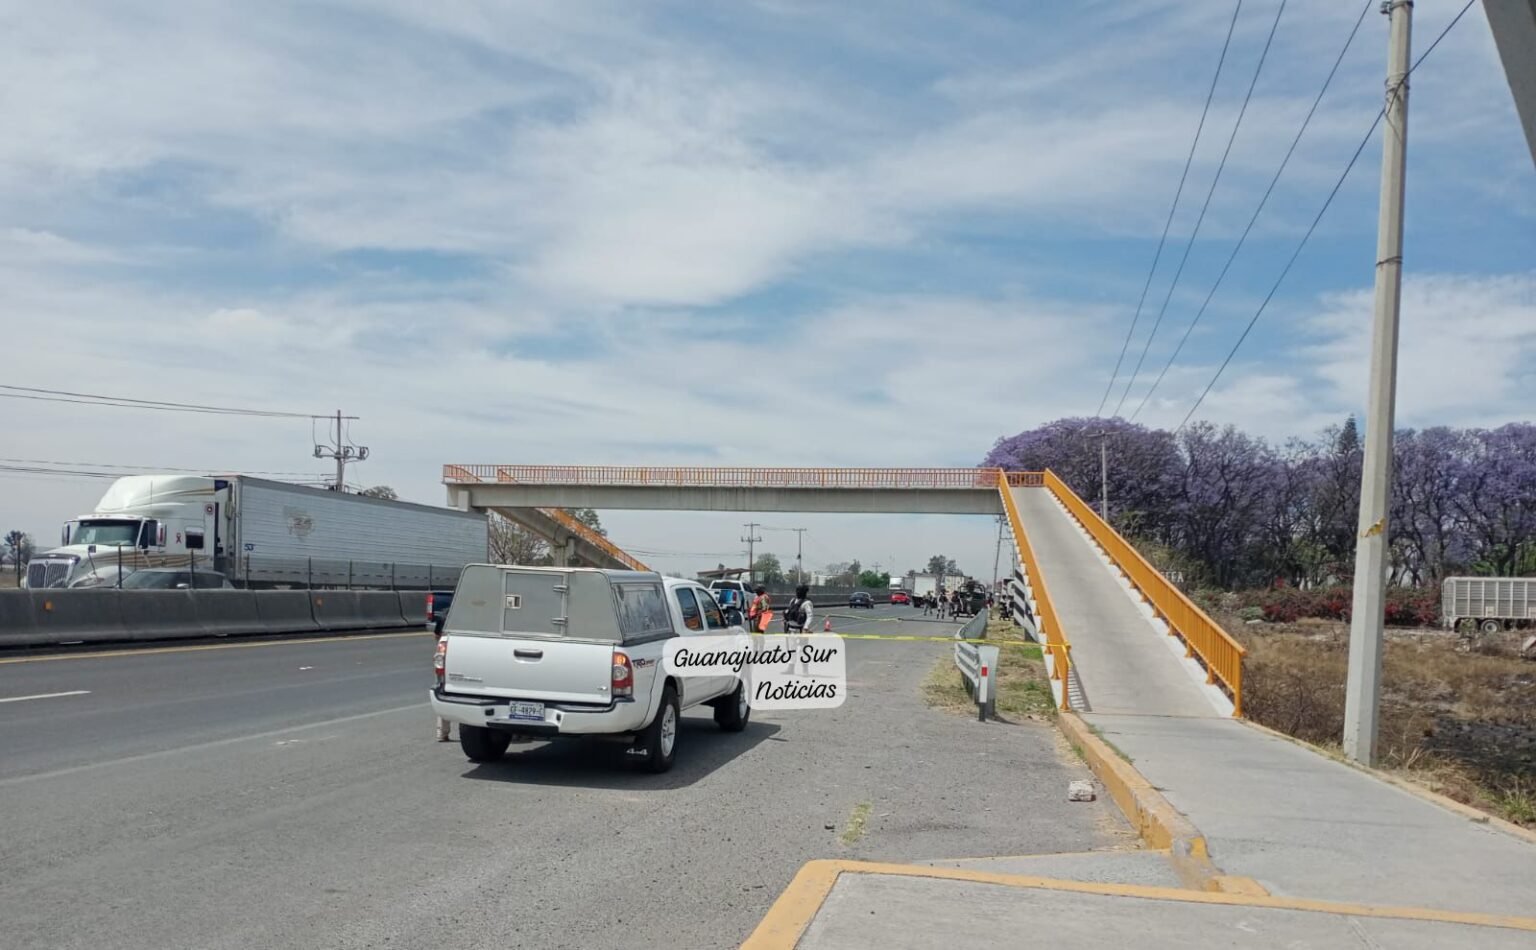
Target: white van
{"points": [[548, 652]]}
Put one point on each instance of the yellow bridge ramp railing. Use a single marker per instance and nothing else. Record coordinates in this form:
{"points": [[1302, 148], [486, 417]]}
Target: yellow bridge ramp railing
{"points": [[560, 516], [1054, 638], [1203, 637]]}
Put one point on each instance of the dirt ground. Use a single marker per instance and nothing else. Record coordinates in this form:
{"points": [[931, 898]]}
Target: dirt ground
{"points": [[1458, 716]]}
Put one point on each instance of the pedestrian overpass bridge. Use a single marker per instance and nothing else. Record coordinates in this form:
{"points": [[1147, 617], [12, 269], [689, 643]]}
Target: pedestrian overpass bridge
{"points": [[1117, 635]]}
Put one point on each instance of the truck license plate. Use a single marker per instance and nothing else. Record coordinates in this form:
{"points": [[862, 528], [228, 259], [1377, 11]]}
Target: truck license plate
{"points": [[533, 712]]}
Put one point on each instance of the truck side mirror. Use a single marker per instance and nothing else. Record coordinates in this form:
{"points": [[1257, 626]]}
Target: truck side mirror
{"points": [[64, 536], [160, 535], [151, 532]]}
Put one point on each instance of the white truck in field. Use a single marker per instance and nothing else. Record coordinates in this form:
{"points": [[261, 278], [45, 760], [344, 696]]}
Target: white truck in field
{"points": [[1490, 603], [538, 653], [260, 534]]}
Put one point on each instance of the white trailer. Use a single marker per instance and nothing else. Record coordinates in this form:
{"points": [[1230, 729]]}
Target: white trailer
{"points": [[262, 533], [1491, 603]]}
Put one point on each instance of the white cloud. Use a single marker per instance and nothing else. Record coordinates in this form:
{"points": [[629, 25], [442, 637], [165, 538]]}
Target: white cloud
{"points": [[656, 238], [1467, 347]]}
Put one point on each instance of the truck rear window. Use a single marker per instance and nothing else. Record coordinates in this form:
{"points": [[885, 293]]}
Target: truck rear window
{"points": [[642, 610]]}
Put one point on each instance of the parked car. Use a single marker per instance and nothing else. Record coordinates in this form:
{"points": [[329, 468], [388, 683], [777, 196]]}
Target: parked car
{"points": [[174, 578], [860, 599], [549, 653], [900, 597]]}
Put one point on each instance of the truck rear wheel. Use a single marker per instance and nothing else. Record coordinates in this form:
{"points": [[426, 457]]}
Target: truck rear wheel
{"points": [[481, 744], [732, 712], [1490, 626], [659, 740]]}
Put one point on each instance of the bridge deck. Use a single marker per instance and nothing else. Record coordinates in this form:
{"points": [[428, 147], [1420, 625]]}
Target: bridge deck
{"points": [[1124, 664]]}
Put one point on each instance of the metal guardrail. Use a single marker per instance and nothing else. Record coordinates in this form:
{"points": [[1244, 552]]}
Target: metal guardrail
{"points": [[739, 477], [1221, 655], [1054, 638], [977, 662], [976, 627], [459, 474]]}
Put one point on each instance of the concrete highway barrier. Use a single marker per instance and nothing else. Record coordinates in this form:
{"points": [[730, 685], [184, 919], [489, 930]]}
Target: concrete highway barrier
{"points": [[337, 610], [413, 607], [156, 614], [379, 608], [285, 611], [229, 613], [17, 627], [77, 616]]}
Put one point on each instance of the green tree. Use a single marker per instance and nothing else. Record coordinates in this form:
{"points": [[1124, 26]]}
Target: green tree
{"points": [[18, 544], [589, 518], [879, 580], [939, 564], [768, 570], [381, 491]]}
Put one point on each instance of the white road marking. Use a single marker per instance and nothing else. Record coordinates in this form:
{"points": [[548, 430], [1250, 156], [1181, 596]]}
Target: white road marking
{"points": [[22, 699]]}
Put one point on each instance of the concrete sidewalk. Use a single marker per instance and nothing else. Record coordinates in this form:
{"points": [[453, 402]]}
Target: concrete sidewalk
{"points": [[884, 907], [1302, 824]]}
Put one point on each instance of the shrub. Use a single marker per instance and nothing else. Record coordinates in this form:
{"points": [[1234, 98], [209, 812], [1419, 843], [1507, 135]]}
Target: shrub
{"points": [[1251, 613]]}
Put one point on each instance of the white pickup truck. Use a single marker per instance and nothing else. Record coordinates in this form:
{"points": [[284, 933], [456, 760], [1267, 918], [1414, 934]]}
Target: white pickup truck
{"points": [[545, 653]]}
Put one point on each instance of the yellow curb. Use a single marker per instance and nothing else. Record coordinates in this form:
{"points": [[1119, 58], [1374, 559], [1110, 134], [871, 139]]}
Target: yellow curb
{"points": [[155, 651], [1160, 825], [787, 920], [1434, 798], [1237, 884]]}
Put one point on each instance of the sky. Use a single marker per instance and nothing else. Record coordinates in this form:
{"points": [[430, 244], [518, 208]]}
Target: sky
{"points": [[757, 233]]}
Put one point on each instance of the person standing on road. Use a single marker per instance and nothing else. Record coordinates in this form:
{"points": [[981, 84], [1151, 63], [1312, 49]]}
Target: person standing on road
{"points": [[797, 616], [757, 609]]}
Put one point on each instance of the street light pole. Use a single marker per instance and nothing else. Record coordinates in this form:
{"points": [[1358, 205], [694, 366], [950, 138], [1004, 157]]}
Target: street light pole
{"points": [[1362, 695]]}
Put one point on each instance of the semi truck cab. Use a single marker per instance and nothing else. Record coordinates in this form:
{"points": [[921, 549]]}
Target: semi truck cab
{"points": [[142, 521]]}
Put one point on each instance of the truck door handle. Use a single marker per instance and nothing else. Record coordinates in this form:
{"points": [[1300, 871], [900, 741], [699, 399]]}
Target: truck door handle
{"points": [[528, 654]]}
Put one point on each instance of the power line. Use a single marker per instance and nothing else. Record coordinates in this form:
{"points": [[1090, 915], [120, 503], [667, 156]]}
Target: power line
{"points": [[1183, 177], [147, 468], [1189, 246], [1321, 211], [128, 402], [1364, 9]]}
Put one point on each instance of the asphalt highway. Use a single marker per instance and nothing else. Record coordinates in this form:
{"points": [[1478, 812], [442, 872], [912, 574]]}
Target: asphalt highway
{"points": [[289, 795]]}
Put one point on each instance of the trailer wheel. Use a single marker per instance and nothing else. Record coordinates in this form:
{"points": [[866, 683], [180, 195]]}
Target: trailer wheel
{"points": [[1490, 626]]}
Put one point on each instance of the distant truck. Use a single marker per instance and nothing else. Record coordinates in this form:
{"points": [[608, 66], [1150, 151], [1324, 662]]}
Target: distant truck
{"points": [[1491, 603], [261, 534]]}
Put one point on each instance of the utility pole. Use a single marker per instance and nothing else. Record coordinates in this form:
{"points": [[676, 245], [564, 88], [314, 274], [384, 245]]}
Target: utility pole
{"points": [[799, 552], [751, 539], [997, 555], [1103, 437], [1362, 695], [341, 453]]}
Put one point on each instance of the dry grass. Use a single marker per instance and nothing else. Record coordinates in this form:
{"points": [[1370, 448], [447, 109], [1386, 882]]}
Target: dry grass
{"points": [[8, 579], [1461, 722], [1023, 689]]}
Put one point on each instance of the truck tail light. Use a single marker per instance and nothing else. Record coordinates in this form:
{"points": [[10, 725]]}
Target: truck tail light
{"points": [[623, 675], [429, 608], [440, 661]]}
